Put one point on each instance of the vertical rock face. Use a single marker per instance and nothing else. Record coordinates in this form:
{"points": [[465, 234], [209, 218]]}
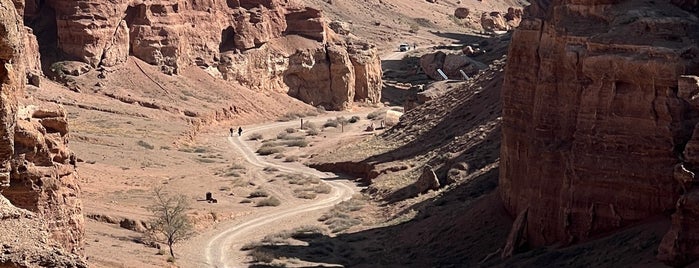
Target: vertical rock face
{"points": [[593, 121], [37, 170], [227, 35]]}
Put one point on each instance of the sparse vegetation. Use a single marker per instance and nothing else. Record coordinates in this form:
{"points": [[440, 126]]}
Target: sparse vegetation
{"points": [[270, 169], [267, 150], [353, 119], [255, 137], [271, 202], [290, 130], [170, 223], [331, 123], [146, 145], [258, 193], [376, 115], [312, 132], [338, 219], [291, 158], [299, 179]]}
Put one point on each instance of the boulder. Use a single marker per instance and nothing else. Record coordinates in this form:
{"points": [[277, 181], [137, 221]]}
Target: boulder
{"points": [[340, 27], [461, 12], [427, 181]]}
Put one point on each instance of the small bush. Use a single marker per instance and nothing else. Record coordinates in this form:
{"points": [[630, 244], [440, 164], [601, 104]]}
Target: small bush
{"points": [[320, 109], [269, 150], [251, 245], [258, 193], [331, 123], [375, 115], [353, 119], [245, 201], [200, 150], [270, 169], [271, 202], [297, 143], [255, 137], [145, 145], [171, 259], [262, 256], [291, 158], [290, 130], [312, 132], [310, 125], [322, 188], [304, 194]]}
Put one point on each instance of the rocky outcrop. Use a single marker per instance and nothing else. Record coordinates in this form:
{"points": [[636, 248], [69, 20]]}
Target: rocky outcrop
{"points": [[496, 21], [241, 41], [427, 181], [461, 12], [37, 171], [594, 122], [450, 64]]}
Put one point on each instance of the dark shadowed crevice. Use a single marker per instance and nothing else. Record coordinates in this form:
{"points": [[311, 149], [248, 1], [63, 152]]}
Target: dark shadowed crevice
{"points": [[227, 40], [46, 30]]}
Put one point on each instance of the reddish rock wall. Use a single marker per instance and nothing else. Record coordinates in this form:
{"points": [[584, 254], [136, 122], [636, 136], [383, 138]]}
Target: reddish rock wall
{"points": [[593, 125], [234, 37], [37, 171]]}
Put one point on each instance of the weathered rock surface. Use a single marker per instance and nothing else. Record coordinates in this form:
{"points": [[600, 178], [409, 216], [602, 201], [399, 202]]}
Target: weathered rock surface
{"points": [[496, 21], [37, 171], [239, 38], [594, 122], [427, 180], [450, 64]]}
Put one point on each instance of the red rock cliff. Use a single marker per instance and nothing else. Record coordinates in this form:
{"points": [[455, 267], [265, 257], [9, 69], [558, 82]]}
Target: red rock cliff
{"points": [[37, 172], [594, 121], [240, 41]]}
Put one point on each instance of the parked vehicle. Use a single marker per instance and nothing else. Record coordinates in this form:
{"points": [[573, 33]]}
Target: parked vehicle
{"points": [[403, 47]]}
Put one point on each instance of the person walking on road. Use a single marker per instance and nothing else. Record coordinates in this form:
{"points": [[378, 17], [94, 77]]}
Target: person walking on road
{"points": [[232, 131], [240, 131]]}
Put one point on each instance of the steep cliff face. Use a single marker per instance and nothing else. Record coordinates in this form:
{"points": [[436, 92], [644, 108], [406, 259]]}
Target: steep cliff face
{"points": [[594, 122], [231, 38], [37, 171]]}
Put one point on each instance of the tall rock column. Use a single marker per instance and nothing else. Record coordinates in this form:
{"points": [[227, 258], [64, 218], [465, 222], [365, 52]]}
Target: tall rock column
{"points": [[593, 126], [37, 171]]}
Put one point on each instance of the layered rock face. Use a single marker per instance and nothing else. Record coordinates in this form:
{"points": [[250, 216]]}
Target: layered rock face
{"points": [[37, 171], [232, 39], [596, 119]]}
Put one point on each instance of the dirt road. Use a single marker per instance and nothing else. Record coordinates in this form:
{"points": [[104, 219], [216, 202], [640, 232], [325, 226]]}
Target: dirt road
{"points": [[220, 247]]}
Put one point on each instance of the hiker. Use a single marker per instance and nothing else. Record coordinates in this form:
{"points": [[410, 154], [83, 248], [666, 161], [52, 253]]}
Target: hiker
{"points": [[232, 132], [240, 131]]}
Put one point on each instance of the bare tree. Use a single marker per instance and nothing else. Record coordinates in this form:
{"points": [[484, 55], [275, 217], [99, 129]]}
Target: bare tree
{"points": [[170, 223]]}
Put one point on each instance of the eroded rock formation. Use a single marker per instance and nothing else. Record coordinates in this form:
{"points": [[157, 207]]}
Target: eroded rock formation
{"points": [[38, 182], [240, 41], [450, 64], [497, 21], [596, 119]]}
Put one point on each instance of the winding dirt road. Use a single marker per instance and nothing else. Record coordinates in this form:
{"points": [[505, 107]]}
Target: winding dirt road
{"points": [[215, 248]]}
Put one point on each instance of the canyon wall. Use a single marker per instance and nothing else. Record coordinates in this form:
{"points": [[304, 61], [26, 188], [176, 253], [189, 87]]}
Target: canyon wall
{"points": [[38, 181], [239, 41], [598, 125]]}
